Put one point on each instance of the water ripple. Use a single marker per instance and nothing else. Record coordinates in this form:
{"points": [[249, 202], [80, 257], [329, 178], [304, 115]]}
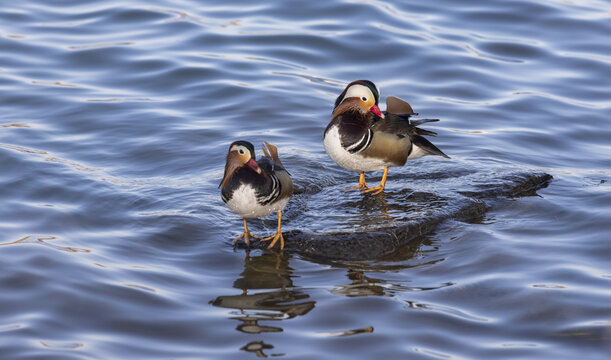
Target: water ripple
{"points": [[44, 240], [447, 311], [115, 125]]}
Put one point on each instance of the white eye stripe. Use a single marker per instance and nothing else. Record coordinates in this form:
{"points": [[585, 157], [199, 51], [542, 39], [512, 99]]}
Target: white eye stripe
{"points": [[240, 149], [359, 91]]}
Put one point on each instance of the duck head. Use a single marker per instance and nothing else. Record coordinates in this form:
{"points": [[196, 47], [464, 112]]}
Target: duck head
{"points": [[241, 154], [363, 93]]}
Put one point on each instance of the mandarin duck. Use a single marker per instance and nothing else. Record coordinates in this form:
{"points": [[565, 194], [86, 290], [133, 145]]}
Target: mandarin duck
{"points": [[362, 138], [255, 189]]}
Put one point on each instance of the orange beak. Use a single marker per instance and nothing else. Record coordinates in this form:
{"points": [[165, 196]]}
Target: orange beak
{"points": [[253, 165]]}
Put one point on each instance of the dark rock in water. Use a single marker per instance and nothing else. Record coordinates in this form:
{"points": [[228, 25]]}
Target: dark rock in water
{"points": [[345, 225]]}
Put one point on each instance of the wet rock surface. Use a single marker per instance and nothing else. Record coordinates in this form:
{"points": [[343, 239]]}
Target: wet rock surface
{"points": [[332, 224]]}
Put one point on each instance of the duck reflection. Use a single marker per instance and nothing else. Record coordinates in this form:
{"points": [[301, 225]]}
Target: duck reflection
{"points": [[270, 270], [362, 285], [371, 211], [393, 207], [365, 285], [257, 347]]}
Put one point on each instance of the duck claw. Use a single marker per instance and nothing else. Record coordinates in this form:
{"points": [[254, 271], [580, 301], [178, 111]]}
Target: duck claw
{"points": [[274, 238]]}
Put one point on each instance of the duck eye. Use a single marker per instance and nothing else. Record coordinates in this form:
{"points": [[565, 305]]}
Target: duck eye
{"points": [[364, 98], [242, 151]]}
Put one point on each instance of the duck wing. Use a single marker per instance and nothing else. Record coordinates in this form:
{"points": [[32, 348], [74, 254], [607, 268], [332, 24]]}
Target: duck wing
{"points": [[394, 105], [399, 125], [421, 147], [397, 119], [403, 109], [271, 165]]}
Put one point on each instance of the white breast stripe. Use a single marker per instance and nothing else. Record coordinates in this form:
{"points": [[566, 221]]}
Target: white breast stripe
{"points": [[362, 144], [274, 193], [346, 159]]}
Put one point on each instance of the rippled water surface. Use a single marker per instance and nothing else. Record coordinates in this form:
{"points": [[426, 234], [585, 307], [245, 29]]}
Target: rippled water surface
{"points": [[115, 121]]}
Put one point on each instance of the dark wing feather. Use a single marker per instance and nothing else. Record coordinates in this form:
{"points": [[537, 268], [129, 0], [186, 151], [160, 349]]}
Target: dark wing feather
{"points": [[422, 121], [397, 119], [281, 174], [267, 165], [268, 187], [400, 108], [400, 125], [427, 146]]}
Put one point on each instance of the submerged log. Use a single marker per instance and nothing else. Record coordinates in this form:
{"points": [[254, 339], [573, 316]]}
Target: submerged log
{"points": [[333, 224]]}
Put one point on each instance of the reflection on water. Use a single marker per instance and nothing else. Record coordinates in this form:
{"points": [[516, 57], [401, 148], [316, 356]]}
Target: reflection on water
{"points": [[361, 285], [45, 241], [267, 271], [114, 119], [399, 204], [367, 329], [257, 347]]}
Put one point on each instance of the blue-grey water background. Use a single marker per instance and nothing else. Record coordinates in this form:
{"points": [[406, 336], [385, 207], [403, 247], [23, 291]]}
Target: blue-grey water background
{"points": [[115, 121]]}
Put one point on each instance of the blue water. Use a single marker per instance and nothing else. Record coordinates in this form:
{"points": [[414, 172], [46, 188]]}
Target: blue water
{"points": [[115, 121]]}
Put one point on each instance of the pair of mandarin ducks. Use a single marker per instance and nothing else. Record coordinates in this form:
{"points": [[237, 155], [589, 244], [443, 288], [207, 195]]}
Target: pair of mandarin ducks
{"points": [[359, 137]]}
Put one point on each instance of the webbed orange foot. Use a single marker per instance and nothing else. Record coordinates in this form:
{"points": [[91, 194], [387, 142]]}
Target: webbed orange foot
{"points": [[374, 190], [278, 235], [362, 183], [274, 238], [378, 189], [246, 235]]}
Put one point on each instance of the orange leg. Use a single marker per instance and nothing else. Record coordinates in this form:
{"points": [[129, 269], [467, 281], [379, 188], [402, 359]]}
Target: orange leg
{"points": [[246, 235], [362, 183], [379, 189], [278, 235]]}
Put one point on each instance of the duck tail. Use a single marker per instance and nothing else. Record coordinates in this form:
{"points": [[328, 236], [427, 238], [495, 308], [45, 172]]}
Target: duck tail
{"points": [[421, 121], [419, 131], [425, 147]]}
